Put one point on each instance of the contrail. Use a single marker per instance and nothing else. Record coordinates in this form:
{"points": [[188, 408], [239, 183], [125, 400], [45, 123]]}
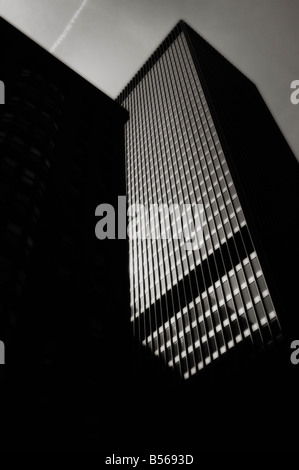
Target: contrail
{"points": [[68, 27]]}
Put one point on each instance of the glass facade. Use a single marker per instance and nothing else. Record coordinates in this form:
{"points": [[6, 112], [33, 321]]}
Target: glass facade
{"points": [[189, 307]]}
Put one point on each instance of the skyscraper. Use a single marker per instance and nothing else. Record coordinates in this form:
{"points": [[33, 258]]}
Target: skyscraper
{"points": [[199, 132]]}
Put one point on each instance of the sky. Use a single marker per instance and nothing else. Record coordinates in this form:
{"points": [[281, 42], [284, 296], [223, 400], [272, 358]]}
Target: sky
{"points": [[109, 40]]}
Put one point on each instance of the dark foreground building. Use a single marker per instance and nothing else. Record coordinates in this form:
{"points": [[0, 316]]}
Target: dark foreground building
{"points": [[63, 292], [221, 316], [62, 154]]}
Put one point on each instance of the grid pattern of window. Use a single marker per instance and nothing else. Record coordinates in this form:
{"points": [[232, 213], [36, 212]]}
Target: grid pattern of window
{"points": [[189, 306]]}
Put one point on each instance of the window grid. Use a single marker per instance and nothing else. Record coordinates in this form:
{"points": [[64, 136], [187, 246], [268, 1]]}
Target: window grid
{"points": [[171, 141]]}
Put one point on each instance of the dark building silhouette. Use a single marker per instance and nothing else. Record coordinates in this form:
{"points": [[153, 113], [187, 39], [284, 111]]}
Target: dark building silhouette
{"points": [[62, 154], [63, 292]]}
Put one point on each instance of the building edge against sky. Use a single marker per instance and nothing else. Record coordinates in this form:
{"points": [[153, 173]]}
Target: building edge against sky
{"points": [[189, 100]]}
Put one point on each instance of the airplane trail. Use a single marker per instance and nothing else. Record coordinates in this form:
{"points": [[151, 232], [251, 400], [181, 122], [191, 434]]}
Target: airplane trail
{"points": [[68, 28]]}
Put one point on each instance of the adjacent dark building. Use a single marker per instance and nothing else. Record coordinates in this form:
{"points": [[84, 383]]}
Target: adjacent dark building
{"points": [[62, 154], [63, 292]]}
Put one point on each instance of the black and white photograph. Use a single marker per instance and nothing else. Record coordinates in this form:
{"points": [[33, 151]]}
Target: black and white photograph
{"points": [[149, 192]]}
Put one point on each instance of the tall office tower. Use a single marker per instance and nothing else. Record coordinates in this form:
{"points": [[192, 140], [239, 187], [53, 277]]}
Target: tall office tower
{"points": [[200, 133]]}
